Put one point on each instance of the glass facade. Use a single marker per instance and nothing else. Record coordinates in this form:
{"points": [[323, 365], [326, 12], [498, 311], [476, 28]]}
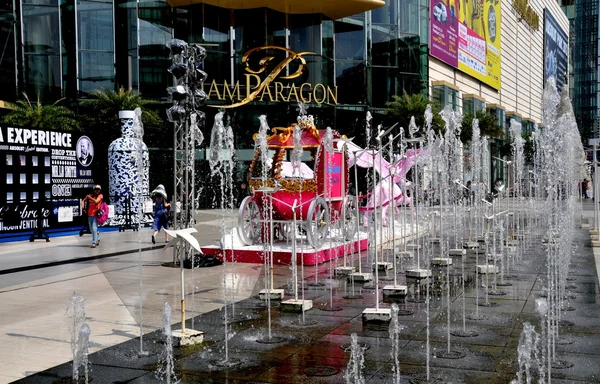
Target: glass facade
{"points": [[584, 53], [69, 48]]}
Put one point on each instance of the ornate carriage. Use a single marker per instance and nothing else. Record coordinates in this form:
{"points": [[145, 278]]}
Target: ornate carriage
{"points": [[307, 198]]}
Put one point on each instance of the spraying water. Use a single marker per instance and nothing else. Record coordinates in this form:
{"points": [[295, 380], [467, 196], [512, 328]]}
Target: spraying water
{"points": [[166, 368], [76, 311], [356, 364], [395, 337]]}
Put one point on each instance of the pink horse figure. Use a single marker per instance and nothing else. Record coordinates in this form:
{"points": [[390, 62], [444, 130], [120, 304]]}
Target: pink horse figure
{"points": [[385, 194]]}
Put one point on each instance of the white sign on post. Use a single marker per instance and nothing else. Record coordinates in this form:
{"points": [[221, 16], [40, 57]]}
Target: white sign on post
{"points": [[111, 211], [65, 214], [148, 206]]}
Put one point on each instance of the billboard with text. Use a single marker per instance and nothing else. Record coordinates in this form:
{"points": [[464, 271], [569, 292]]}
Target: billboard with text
{"points": [[556, 51], [466, 35]]}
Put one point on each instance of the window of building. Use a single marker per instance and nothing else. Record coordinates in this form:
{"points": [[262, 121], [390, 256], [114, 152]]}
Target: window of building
{"points": [[36, 195], [35, 178], [9, 197], [47, 178], [46, 161], [34, 161], [9, 160], [499, 113], [445, 94], [22, 160], [23, 178], [473, 104], [23, 196], [47, 195], [9, 178]]}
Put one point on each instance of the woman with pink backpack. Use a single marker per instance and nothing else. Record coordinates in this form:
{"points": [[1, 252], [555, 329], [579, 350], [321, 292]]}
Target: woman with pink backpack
{"points": [[94, 201]]}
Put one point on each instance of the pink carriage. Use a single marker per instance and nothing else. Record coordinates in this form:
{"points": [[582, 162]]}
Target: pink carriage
{"points": [[312, 194]]}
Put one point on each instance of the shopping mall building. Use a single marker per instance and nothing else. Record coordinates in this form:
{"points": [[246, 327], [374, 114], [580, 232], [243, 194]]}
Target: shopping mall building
{"points": [[342, 57]]}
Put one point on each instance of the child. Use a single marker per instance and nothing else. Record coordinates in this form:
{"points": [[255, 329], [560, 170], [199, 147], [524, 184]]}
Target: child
{"points": [[161, 207]]}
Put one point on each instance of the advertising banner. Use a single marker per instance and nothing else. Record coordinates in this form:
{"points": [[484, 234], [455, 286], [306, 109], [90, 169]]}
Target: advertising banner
{"points": [[44, 175], [466, 35], [556, 50]]}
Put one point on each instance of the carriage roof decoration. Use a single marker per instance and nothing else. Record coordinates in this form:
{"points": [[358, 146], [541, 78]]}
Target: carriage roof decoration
{"points": [[312, 196]]}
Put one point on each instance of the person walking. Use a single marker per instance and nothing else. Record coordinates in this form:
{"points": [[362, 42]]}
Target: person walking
{"points": [[161, 208], [93, 202]]}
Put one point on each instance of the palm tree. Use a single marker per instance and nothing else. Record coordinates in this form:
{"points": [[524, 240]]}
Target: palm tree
{"points": [[488, 126], [104, 106], [43, 117], [402, 108]]}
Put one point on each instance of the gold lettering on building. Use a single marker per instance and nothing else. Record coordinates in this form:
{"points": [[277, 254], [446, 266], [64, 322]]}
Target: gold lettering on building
{"points": [[268, 89], [527, 13]]}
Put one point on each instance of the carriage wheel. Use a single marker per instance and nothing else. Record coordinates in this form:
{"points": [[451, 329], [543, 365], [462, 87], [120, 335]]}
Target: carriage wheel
{"points": [[317, 222], [349, 215], [249, 225]]}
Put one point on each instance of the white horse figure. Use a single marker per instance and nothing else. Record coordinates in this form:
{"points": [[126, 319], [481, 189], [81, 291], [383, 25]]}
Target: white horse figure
{"points": [[381, 196]]}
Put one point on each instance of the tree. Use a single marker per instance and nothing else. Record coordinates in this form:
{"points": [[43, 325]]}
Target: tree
{"points": [[104, 106], [43, 117], [488, 126], [405, 106]]}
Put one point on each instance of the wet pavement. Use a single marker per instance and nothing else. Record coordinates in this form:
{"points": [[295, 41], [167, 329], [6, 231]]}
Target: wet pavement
{"points": [[314, 348]]}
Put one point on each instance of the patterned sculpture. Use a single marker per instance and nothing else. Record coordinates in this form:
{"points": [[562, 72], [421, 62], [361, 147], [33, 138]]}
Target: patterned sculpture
{"points": [[128, 172]]}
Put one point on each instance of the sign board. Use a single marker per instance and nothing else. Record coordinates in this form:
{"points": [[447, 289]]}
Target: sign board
{"points": [[65, 214], [43, 177], [466, 35], [556, 51]]}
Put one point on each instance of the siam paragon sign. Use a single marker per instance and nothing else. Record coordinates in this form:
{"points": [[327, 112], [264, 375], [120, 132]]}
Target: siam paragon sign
{"points": [[258, 84]]}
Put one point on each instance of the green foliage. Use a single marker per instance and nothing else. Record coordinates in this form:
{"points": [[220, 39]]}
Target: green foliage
{"points": [[402, 108], [103, 108], [488, 126], [44, 117]]}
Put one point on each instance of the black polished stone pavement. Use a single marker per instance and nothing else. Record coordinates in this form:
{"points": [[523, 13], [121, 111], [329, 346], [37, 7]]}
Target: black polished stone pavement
{"points": [[318, 342]]}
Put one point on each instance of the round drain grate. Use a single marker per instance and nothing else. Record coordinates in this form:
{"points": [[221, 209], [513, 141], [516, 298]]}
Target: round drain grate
{"points": [[461, 333], [348, 347], [476, 317], [321, 371], [561, 364], [564, 341], [568, 309], [232, 362], [571, 286], [331, 309], [305, 323], [272, 340], [484, 304], [352, 297], [565, 323], [496, 293], [505, 284], [571, 279], [405, 312], [423, 380], [449, 355]]}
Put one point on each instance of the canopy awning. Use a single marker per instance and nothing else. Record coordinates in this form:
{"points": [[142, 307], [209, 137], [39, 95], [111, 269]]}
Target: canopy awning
{"points": [[335, 9]]}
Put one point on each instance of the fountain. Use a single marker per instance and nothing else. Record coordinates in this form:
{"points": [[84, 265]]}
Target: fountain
{"points": [[79, 335]]}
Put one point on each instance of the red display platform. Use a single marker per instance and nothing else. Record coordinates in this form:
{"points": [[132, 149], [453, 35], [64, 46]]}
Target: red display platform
{"points": [[282, 254]]}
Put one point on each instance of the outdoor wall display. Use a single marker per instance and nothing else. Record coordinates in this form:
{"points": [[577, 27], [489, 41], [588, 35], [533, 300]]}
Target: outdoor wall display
{"points": [[271, 74], [556, 50], [466, 35], [43, 176]]}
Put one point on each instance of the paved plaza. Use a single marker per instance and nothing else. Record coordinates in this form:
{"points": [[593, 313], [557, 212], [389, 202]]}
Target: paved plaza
{"points": [[34, 330]]}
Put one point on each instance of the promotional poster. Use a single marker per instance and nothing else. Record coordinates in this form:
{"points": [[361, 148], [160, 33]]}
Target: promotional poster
{"points": [[556, 51], [466, 35], [43, 177]]}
